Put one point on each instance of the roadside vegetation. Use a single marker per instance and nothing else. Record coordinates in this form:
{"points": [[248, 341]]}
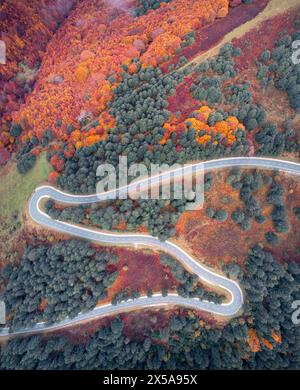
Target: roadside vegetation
{"points": [[16, 188], [263, 338]]}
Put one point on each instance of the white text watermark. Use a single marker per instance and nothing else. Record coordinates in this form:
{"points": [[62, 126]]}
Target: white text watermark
{"points": [[2, 53], [296, 52], [296, 313], [2, 313], [157, 182]]}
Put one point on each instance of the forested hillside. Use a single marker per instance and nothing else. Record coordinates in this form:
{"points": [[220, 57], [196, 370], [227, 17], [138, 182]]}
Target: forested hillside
{"points": [[262, 338], [160, 82]]}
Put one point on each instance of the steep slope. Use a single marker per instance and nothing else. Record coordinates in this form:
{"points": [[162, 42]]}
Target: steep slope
{"points": [[26, 27]]}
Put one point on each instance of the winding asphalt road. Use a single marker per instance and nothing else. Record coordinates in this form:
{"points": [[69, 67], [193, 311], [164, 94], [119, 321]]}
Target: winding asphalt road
{"points": [[227, 309]]}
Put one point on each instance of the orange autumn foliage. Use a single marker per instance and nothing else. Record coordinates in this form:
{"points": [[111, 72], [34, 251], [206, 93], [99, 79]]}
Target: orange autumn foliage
{"points": [[98, 133], [121, 226], [132, 68], [92, 139], [199, 123], [57, 164], [169, 129], [52, 177], [26, 28], [82, 73], [268, 344], [25, 22], [92, 44], [164, 45], [4, 138], [276, 337], [253, 341], [43, 304]]}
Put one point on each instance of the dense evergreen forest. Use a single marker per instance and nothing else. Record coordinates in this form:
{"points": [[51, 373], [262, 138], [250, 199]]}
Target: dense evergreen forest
{"points": [[183, 343], [52, 283], [59, 281]]}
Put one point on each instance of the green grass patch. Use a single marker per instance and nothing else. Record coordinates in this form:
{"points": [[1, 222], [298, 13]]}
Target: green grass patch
{"points": [[15, 188]]}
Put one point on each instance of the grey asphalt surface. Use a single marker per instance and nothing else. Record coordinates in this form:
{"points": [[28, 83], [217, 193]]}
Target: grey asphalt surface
{"points": [[209, 276]]}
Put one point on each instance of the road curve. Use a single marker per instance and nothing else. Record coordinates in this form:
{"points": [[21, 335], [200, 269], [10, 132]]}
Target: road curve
{"points": [[227, 309]]}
